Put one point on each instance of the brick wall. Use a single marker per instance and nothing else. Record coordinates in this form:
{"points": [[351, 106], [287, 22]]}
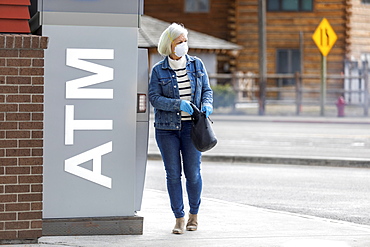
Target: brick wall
{"points": [[21, 137]]}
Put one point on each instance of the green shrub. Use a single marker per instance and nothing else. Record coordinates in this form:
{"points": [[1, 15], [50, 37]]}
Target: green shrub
{"points": [[223, 96]]}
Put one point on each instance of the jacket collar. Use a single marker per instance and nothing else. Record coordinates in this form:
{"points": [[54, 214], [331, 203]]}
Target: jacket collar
{"points": [[166, 64]]}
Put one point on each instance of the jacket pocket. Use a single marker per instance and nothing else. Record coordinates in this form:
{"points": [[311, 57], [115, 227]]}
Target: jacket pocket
{"points": [[166, 87], [198, 76]]}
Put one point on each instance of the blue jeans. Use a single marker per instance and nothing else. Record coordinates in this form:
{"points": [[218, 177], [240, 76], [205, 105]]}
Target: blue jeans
{"points": [[176, 146]]}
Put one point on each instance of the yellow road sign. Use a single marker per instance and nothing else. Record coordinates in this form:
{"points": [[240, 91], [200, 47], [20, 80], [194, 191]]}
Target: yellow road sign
{"points": [[324, 37]]}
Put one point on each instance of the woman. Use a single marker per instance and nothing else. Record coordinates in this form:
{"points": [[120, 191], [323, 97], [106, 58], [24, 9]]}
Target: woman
{"points": [[176, 81]]}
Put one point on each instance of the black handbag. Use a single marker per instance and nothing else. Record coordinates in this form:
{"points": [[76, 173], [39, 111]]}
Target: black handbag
{"points": [[202, 133]]}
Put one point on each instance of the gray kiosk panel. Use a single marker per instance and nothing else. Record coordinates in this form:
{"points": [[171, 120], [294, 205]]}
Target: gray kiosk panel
{"points": [[109, 13], [95, 140], [88, 114]]}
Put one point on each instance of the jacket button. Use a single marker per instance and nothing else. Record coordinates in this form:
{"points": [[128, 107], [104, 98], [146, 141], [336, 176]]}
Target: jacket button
{"points": [[177, 127], [174, 86]]}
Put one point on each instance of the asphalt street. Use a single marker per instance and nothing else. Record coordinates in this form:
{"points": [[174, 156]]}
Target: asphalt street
{"points": [[337, 139]]}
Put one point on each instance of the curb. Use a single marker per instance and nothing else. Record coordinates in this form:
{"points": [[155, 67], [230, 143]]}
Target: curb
{"points": [[313, 161]]}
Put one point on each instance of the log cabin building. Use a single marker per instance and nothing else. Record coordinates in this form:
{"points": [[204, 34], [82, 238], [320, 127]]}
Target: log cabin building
{"points": [[290, 25]]}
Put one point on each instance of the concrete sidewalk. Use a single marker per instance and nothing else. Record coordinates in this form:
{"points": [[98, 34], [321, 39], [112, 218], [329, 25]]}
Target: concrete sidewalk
{"points": [[223, 223]]}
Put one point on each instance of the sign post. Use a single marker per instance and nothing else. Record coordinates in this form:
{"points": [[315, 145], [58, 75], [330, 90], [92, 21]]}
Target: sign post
{"points": [[324, 37]]}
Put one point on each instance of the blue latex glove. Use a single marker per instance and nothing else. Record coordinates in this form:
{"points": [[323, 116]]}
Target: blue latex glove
{"points": [[207, 110], [186, 107]]}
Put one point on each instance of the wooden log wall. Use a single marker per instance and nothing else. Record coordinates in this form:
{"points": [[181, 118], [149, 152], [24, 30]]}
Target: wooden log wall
{"points": [[359, 30], [283, 28]]}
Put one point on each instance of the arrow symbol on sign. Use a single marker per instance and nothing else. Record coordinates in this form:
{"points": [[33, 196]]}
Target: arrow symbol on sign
{"points": [[322, 37]]}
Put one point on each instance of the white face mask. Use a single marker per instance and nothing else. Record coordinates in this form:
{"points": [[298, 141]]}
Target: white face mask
{"points": [[181, 49]]}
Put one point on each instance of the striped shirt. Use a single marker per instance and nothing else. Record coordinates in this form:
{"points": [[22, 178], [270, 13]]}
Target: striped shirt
{"points": [[183, 82]]}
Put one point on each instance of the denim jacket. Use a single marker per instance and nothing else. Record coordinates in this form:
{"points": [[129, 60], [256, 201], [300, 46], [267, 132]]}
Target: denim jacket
{"points": [[164, 93]]}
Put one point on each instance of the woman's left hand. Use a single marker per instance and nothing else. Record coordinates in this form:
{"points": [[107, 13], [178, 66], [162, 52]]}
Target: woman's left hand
{"points": [[207, 110]]}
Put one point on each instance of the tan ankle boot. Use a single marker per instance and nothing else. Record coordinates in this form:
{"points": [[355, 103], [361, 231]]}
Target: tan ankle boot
{"points": [[179, 227], [192, 224]]}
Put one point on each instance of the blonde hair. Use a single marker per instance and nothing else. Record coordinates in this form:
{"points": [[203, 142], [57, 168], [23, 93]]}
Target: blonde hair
{"points": [[169, 35]]}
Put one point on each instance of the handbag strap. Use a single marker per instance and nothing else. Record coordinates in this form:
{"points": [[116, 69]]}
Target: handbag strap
{"points": [[195, 108], [197, 111], [195, 69]]}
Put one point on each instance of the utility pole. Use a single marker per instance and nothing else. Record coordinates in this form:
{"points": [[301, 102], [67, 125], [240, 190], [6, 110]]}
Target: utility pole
{"points": [[262, 55]]}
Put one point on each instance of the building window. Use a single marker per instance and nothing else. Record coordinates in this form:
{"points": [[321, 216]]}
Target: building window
{"points": [[197, 6], [288, 62], [290, 5]]}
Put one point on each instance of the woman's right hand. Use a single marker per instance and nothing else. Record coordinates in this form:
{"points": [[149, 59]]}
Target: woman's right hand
{"points": [[186, 107]]}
